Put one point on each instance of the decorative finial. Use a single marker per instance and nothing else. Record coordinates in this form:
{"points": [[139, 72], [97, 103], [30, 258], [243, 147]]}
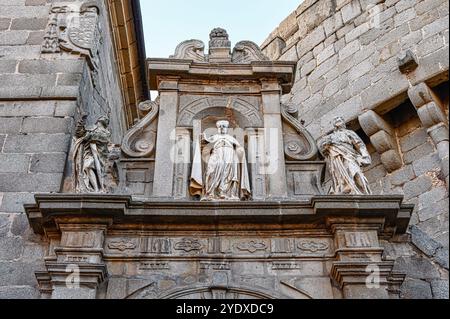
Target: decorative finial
{"points": [[219, 39]]}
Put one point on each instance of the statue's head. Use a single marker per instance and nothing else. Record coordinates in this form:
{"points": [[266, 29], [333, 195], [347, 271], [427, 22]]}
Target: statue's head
{"points": [[339, 123], [103, 120], [223, 126]]}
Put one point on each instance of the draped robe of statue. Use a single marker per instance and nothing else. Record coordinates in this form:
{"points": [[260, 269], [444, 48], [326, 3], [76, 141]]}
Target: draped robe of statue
{"points": [[90, 158], [226, 175], [345, 153]]}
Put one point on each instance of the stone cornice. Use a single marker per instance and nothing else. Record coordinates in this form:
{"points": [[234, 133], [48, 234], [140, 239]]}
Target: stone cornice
{"points": [[129, 47], [284, 72], [321, 211]]}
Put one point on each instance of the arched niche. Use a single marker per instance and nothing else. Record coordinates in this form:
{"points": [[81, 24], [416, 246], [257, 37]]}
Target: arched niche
{"points": [[238, 111]]}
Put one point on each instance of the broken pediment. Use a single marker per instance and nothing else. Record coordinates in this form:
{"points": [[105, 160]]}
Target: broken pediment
{"points": [[219, 50]]}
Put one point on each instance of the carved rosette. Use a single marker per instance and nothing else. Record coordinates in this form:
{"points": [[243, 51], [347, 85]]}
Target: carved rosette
{"points": [[300, 146], [140, 140]]}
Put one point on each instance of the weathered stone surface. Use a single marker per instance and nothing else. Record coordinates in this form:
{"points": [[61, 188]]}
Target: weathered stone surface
{"points": [[13, 202], [29, 24], [439, 289], [20, 292], [415, 289], [424, 242], [432, 197], [437, 208], [23, 182], [48, 163], [19, 225], [14, 163], [47, 125], [347, 63], [416, 267], [12, 248], [417, 186], [29, 108], [10, 125], [441, 257], [402, 176], [17, 273], [36, 143], [8, 66], [5, 224]]}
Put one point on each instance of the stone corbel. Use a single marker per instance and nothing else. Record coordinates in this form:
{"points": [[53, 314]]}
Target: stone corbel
{"points": [[359, 269], [382, 136], [78, 269], [432, 115]]}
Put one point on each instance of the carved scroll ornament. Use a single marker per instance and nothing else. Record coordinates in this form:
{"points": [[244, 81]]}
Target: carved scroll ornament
{"points": [[300, 147], [191, 50], [140, 140], [246, 52]]}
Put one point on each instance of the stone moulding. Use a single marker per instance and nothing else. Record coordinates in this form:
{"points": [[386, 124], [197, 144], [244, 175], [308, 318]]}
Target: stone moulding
{"points": [[284, 71], [392, 215]]}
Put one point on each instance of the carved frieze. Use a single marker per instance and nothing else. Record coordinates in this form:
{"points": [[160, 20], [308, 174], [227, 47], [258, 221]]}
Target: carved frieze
{"points": [[313, 246], [122, 245], [199, 247], [285, 266], [251, 246], [188, 245], [215, 265], [156, 245], [156, 265], [357, 239]]}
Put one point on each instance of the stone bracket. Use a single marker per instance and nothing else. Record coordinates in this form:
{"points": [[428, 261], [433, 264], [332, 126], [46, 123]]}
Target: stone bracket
{"points": [[382, 136], [357, 272], [433, 117]]}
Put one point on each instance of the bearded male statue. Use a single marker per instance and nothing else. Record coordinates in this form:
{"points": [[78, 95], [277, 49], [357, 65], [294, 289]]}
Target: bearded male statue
{"points": [[346, 154]]}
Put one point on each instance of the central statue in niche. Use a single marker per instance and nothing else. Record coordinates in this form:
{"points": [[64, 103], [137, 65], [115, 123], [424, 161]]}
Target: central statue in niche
{"points": [[225, 174]]}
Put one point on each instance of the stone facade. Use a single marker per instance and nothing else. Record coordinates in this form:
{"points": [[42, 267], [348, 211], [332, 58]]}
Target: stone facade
{"points": [[382, 65], [375, 62], [48, 80]]}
